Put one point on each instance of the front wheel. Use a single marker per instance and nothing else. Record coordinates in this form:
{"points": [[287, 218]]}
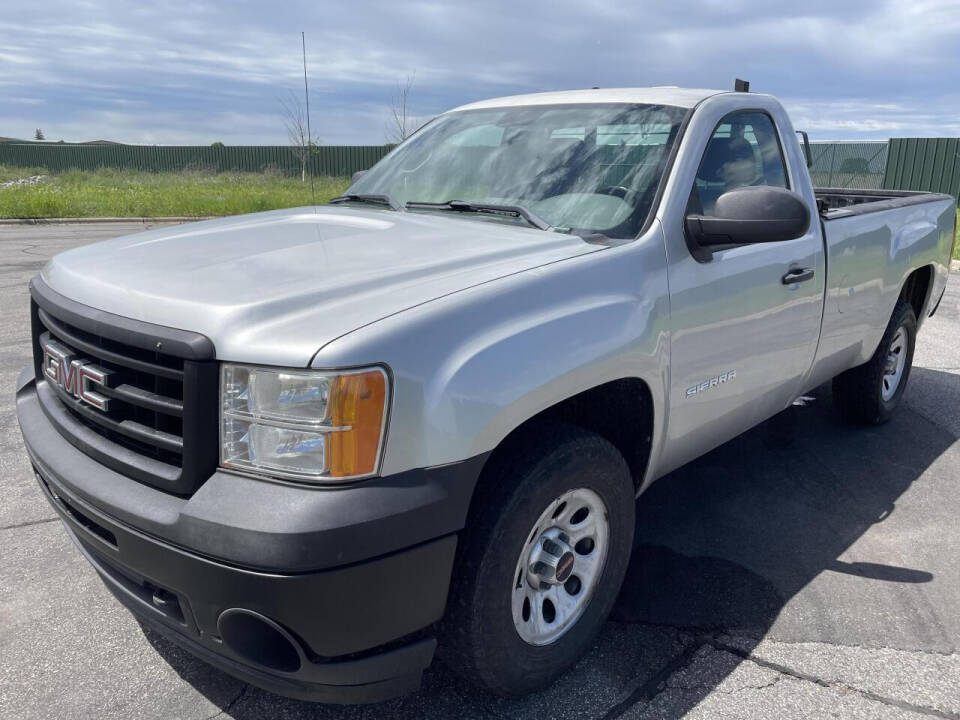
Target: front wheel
{"points": [[541, 561], [871, 392]]}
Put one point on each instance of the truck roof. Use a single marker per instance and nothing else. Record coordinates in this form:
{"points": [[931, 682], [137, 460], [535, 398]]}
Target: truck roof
{"points": [[678, 97]]}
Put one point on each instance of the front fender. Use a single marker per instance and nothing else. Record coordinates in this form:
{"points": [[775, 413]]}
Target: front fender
{"points": [[471, 367], [528, 363]]}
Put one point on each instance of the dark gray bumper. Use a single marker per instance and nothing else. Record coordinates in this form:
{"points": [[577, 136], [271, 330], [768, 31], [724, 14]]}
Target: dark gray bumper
{"points": [[342, 572]]}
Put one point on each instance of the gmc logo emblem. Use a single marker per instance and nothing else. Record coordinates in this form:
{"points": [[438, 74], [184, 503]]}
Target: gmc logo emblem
{"points": [[75, 375]]}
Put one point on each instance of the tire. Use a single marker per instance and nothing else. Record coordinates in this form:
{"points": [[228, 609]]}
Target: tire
{"points": [[520, 488], [863, 394]]}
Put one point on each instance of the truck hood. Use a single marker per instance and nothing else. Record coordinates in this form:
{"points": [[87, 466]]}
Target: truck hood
{"points": [[274, 287]]}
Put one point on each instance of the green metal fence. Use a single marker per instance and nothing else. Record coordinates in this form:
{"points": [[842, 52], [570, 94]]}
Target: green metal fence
{"points": [[325, 160], [902, 164], [931, 164], [858, 165]]}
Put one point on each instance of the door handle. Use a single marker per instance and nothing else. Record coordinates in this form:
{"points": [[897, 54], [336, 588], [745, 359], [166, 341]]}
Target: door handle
{"points": [[797, 275]]}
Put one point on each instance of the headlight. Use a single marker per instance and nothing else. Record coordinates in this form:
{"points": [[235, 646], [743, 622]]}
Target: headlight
{"points": [[320, 427]]}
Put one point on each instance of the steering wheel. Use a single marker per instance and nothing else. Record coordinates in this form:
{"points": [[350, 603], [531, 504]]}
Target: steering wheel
{"points": [[624, 193]]}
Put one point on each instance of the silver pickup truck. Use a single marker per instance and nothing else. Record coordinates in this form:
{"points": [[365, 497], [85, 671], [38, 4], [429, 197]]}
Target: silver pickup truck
{"points": [[316, 446]]}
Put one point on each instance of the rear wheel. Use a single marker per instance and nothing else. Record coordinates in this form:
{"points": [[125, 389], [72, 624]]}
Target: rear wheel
{"points": [[871, 392], [541, 562]]}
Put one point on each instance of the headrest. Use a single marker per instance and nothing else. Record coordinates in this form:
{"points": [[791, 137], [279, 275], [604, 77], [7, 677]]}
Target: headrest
{"points": [[731, 161]]}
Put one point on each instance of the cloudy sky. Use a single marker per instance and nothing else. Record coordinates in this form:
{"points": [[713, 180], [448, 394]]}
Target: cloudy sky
{"points": [[200, 71]]}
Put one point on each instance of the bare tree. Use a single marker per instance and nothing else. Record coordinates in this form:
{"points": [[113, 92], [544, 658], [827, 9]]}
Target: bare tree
{"points": [[38, 135], [295, 120], [400, 122]]}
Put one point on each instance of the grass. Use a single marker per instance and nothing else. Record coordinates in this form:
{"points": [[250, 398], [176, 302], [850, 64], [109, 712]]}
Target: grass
{"points": [[956, 245], [127, 193], [14, 173]]}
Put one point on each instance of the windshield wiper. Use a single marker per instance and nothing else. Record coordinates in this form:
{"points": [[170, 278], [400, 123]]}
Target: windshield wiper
{"points": [[369, 198], [517, 211]]}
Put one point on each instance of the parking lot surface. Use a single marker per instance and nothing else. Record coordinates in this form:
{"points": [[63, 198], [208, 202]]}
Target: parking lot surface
{"points": [[806, 569]]}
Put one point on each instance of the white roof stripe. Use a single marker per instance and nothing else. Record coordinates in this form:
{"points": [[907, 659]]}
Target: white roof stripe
{"points": [[678, 97]]}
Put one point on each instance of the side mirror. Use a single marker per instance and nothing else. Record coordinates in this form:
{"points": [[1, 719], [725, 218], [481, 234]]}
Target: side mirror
{"points": [[750, 215], [357, 175]]}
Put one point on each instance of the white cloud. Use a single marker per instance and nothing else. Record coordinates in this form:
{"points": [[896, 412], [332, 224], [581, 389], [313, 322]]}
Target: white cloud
{"points": [[195, 70], [827, 120]]}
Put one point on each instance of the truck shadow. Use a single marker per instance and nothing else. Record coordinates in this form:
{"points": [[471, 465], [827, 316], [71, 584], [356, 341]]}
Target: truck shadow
{"points": [[722, 545]]}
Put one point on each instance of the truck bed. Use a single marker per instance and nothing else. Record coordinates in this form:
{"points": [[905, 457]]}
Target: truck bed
{"points": [[874, 239], [843, 202]]}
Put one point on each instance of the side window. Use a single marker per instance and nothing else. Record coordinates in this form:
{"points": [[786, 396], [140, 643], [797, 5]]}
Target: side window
{"points": [[743, 150], [478, 136]]}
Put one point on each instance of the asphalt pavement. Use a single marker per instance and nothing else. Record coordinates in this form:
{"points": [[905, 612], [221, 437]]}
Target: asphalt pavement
{"points": [[806, 569]]}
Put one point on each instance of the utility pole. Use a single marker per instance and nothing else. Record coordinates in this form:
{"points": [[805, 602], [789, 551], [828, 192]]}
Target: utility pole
{"points": [[306, 94]]}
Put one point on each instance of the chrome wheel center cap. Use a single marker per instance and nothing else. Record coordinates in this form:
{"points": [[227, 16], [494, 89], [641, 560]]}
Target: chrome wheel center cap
{"points": [[891, 364], [551, 559]]}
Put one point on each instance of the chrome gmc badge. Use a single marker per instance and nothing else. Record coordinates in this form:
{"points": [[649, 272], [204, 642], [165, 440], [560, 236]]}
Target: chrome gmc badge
{"points": [[75, 375]]}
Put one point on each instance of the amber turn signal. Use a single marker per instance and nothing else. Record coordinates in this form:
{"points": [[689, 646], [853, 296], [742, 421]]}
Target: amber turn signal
{"points": [[358, 403]]}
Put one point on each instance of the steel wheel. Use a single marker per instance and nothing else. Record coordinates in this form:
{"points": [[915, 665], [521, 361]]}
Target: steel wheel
{"points": [[895, 363], [541, 560], [559, 566], [870, 393]]}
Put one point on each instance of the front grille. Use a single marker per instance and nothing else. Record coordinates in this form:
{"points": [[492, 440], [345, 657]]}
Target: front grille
{"points": [[154, 418]]}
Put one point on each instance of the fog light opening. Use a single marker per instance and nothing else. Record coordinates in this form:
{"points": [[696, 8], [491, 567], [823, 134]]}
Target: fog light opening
{"points": [[259, 640]]}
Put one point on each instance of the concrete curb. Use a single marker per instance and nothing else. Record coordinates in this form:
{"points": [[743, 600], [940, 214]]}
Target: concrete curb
{"points": [[955, 266], [97, 220]]}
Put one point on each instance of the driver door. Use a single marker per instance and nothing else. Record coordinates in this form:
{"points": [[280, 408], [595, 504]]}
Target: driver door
{"points": [[742, 340]]}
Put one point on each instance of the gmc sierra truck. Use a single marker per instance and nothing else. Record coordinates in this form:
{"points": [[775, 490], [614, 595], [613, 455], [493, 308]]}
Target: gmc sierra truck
{"points": [[316, 446]]}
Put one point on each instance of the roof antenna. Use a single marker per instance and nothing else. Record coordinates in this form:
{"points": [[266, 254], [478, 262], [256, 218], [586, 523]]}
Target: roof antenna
{"points": [[306, 95], [741, 85]]}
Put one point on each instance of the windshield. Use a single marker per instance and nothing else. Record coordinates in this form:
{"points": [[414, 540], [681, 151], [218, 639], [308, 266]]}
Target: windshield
{"points": [[591, 168]]}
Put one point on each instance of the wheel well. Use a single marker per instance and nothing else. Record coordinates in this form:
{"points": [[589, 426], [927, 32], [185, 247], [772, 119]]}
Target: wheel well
{"points": [[620, 411], [916, 287]]}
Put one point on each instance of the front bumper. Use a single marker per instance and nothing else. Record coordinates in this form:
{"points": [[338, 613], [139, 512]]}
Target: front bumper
{"points": [[360, 629]]}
